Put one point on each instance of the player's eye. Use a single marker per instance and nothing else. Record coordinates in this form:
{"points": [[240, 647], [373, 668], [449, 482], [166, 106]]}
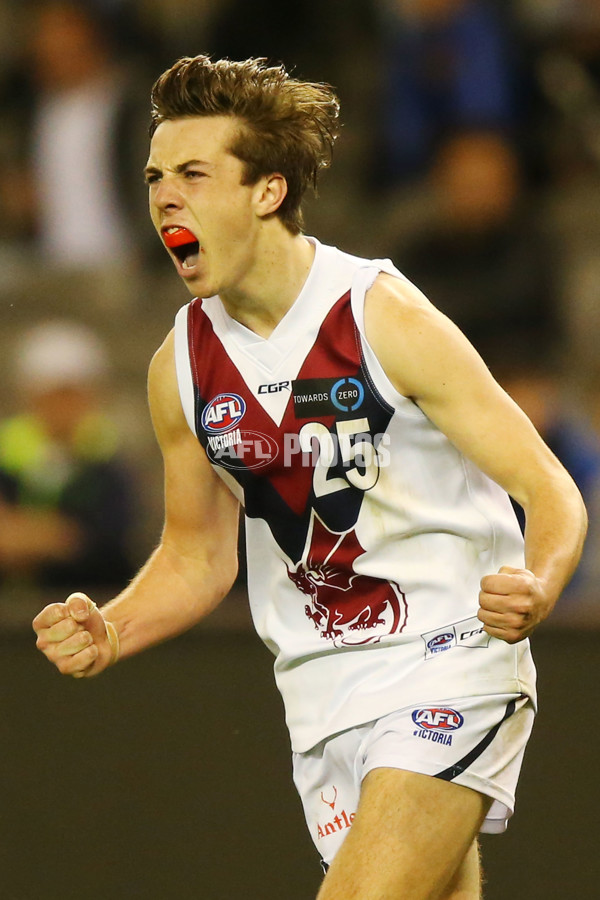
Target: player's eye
{"points": [[151, 177]]}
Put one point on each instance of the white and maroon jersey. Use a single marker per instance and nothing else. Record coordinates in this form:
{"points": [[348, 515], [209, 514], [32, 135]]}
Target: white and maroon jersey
{"points": [[367, 531]]}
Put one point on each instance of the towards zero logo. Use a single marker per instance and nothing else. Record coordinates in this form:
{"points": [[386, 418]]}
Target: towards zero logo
{"points": [[224, 412], [347, 394]]}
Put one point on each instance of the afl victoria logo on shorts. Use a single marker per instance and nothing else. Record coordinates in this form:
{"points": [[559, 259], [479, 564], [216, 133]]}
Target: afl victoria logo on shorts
{"points": [[442, 718], [436, 723], [223, 413]]}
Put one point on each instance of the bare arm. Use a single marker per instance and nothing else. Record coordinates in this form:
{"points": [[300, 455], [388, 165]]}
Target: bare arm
{"points": [[188, 574], [429, 360]]}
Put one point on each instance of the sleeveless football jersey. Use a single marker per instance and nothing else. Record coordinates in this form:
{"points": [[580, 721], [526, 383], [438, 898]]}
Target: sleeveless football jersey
{"points": [[367, 531]]}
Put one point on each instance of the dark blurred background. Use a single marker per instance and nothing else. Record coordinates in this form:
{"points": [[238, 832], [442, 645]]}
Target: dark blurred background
{"points": [[470, 154]]}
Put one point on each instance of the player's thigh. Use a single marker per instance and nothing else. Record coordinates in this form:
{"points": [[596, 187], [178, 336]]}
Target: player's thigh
{"points": [[410, 838]]}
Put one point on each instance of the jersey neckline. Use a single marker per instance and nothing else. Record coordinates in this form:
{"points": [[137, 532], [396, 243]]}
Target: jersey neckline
{"points": [[287, 327]]}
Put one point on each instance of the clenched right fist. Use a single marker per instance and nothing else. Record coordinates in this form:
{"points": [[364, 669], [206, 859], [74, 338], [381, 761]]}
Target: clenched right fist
{"points": [[75, 637]]}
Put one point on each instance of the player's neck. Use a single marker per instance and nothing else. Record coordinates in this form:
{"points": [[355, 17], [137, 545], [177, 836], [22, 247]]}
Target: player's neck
{"points": [[276, 278]]}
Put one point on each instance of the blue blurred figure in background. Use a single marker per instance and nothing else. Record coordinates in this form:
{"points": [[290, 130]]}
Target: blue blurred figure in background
{"points": [[447, 65]]}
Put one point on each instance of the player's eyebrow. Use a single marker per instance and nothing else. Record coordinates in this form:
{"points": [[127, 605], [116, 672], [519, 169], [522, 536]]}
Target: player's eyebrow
{"points": [[149, 171], [191, 162], [181, 167]]}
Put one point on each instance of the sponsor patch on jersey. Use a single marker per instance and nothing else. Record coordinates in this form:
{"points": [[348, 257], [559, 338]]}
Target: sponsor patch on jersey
{"points": [[436, 723], [440, 642], [275, 387], [314, 397], [224, 412], [466, 633]]}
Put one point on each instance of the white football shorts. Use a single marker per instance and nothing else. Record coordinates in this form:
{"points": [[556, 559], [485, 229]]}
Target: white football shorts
{"points": [[477, 742]]}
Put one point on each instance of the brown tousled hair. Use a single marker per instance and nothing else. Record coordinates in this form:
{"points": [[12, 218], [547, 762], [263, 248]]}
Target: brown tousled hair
{"points": [[287, 126]]}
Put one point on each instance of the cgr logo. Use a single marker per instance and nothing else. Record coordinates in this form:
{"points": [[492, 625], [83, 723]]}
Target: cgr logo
{"points": [[224, 412], [440, 718], [275, 387]]}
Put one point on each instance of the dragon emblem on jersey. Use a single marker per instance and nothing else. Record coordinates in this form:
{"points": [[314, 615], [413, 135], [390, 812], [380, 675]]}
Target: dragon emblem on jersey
{"points": [[346, 607]]}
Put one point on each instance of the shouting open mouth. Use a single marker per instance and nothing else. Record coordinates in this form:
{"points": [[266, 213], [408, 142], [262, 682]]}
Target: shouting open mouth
{"points": [[184, 246]]}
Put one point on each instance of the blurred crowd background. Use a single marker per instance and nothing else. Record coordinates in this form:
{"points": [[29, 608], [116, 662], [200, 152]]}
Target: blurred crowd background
{"points": [[470, 154]]}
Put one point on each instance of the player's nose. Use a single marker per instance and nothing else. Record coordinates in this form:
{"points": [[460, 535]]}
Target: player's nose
{"points": [[167, 195]]}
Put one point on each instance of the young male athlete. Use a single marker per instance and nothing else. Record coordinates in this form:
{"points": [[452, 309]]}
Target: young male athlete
{"points": [[374, 455]]}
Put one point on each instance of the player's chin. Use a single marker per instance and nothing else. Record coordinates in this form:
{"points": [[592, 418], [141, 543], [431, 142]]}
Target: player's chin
{"points": [[191, 277], [195, 289], [199, 286]]}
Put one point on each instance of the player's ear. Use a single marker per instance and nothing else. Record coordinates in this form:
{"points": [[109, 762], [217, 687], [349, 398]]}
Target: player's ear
{"points": [[271, 192]]}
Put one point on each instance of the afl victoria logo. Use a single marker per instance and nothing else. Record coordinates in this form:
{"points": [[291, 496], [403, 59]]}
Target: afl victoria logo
{"points": [[440, 718], [224, 412], [441, 641]]}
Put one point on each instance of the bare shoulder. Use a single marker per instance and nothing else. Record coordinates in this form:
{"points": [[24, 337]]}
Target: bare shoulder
{"points": [[412, 339], [163, 393], [398, 296], [162, 363], [395, 305]]}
